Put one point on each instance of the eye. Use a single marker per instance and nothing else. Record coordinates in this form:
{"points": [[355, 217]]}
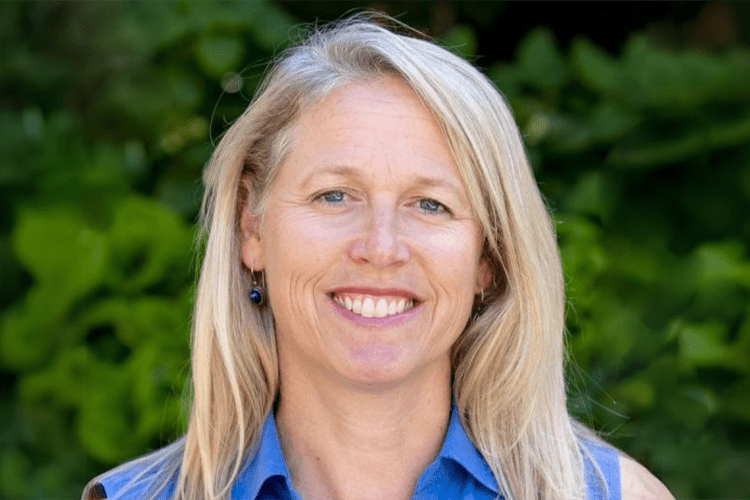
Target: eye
{"points": [[333, 197], [432, 206]]}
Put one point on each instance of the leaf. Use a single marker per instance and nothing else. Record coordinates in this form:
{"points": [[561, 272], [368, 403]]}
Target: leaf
{"points": [[582, 255], [104, 423], [649, 151], [272, 26], [609, 121], [721, 263], [595, 68], [461, 40], [158, 380], [61, 251], [591, 195], [736, 401], [540, 62], [217, 55], [704, 345], [159, 320], [26, 332], [67, 381], [15, 470], [148, 243], [679, 80], [637, 391], [68, 261], [128, 406], [506, 79]]}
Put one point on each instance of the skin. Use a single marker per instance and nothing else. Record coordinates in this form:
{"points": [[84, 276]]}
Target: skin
{"points": [[638, 483], [348, 208], [356, 399]]}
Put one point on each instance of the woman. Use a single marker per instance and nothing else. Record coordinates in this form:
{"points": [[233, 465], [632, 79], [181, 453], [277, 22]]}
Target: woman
{"points": [[380, 308]]}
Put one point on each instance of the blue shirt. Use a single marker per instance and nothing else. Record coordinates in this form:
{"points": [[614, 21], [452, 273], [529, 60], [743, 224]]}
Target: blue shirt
{"points": [[458, 472]]}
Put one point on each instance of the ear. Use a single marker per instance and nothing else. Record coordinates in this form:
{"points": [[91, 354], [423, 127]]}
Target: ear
{"points": [[252, 248], [484, 275]]}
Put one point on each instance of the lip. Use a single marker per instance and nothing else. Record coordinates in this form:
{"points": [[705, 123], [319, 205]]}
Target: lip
{"points": [[377, 292], [396, 319]]}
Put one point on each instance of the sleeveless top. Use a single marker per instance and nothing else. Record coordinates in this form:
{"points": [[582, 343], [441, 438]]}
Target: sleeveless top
{"points": [[458, 472]]}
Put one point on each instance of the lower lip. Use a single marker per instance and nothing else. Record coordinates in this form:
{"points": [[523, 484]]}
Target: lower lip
{"points": [[396, 319]]}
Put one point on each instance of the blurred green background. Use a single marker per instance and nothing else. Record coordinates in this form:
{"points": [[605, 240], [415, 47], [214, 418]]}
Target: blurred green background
{"points": [[637, 123]]}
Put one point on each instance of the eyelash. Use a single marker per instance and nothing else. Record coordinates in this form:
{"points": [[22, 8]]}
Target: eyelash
{"points": [[441, 208], [322, 198]]}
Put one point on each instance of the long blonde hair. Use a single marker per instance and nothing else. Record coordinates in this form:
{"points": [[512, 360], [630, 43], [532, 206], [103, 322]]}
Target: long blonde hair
{"points": [[508, 364]]}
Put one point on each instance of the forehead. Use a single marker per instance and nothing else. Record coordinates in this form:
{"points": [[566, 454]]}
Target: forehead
{"points": [[382, 92], [386, 102], [374, 123]]}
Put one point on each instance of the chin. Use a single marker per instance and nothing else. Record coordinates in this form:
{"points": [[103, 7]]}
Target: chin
{"points": [[382, 369], [376, 366]]}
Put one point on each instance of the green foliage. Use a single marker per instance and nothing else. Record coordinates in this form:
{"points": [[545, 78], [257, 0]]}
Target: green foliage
{"points": [[644, 160], [109, 111], [461, 40]]}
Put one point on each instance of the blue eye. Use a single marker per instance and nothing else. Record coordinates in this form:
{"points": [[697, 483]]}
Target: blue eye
{"points": [[334, 197], [432, 206]]}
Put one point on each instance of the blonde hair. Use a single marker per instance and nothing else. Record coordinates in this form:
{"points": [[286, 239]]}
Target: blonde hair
{"points": [[508, 364]]}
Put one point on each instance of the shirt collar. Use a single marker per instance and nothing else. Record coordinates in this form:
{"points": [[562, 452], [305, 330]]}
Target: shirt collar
{"points": [[459, 448], [269, 460]]}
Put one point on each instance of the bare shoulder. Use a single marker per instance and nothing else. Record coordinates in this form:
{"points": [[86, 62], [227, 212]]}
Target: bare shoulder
{"points": [[638, 483]]}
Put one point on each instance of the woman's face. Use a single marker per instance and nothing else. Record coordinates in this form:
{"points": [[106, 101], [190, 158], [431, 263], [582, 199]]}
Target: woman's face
{"points": [[370, 250]]}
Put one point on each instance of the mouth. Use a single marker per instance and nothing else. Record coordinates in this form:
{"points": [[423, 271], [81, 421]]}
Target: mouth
{"points": [[373, 306]]}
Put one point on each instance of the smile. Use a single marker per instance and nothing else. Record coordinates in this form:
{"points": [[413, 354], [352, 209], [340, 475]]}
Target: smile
{"points": [[370, 306]]}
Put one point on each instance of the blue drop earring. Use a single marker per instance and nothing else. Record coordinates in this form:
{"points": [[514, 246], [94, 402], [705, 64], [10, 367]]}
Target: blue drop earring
{"points": [[256, 293]]}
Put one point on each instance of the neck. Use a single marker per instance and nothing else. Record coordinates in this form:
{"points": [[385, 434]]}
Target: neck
{"points": [[350, 443]]}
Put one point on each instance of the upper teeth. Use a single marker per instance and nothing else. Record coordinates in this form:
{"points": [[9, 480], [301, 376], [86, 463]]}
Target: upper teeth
{"points": [[370, 306]]}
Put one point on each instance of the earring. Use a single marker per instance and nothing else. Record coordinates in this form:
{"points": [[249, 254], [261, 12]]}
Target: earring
{"points": [[478, 307], [256, 293]]}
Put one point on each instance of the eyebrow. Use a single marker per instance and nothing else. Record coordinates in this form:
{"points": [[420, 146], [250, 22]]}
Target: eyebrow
{"points": [[346, 171], [340, 170]]}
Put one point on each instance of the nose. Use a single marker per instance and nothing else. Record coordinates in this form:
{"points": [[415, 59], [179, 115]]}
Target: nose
{"points": [[381, 244]]}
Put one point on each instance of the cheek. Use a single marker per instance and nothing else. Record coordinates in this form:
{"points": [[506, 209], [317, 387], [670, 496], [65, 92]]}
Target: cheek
{"points": [[313, 242], [451, 247], [446, 242], [299, 237], [453, 260], [301, 249]]}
